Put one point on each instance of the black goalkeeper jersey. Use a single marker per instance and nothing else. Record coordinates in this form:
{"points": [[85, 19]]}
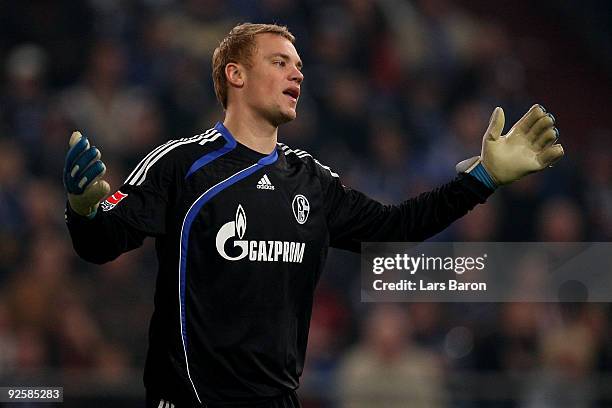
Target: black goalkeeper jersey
{"points": [[241, 240]]}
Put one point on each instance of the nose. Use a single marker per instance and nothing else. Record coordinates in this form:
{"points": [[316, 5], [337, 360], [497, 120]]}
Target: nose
{"points": [[297, 75]]}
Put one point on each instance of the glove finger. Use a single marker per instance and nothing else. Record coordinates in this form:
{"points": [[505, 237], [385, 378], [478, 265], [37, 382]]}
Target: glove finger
{"points": [[530, 118], [547, 138], [89, 175], [85, 160], [496, 124], [550, 155], [543, 124], [74, 137], [76, 150], [73, 174], [97, 191], [78, 147], [102, 173]]}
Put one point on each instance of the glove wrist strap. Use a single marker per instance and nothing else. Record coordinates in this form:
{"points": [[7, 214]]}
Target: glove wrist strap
{"points": [[480, 173]]}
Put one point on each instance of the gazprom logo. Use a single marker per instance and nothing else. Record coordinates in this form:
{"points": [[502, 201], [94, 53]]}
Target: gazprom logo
{"points": [[232, 233], [240, 222]]}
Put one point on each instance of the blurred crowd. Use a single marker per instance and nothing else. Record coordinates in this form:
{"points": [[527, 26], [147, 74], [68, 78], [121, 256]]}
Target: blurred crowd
{"points": [[396, 93]]}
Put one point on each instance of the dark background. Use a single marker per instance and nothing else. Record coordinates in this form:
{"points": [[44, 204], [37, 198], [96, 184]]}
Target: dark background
{"points": [[396, 93]]}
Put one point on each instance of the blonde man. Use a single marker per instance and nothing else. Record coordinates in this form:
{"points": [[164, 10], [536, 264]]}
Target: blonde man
{"points": [[243, 223]]}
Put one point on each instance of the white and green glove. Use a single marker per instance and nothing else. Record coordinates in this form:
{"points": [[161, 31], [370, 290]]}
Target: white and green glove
{"points": [[83, 172], [530, 146]]}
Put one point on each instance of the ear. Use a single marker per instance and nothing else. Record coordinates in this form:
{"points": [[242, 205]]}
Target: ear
{"points": [[234, 74]]}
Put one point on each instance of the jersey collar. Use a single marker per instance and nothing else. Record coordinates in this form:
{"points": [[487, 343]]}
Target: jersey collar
{"points": [[233, 143]]}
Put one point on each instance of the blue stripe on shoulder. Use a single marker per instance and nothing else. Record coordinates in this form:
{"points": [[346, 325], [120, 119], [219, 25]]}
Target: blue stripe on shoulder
{"points": [[230, 144]]}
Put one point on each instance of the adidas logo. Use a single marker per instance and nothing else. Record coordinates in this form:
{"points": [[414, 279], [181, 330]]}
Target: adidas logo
{"points": [[264, 183]]}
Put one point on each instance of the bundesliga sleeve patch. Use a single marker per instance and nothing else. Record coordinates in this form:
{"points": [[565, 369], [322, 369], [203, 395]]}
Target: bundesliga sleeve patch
{"points": [[112, 201]]}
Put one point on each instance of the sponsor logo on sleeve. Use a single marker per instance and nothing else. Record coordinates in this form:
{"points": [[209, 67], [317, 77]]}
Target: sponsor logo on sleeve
{"points": [[112, 201]]}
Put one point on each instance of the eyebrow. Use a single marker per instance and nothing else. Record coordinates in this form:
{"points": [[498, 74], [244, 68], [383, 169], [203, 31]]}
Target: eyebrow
{"points": [[286, 58]]}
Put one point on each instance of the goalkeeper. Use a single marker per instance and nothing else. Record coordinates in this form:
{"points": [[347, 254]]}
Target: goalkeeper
{"points": [[243, 223]]}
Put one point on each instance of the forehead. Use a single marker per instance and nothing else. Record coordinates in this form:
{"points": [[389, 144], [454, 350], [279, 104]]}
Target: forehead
{"points": [[268, 44]]}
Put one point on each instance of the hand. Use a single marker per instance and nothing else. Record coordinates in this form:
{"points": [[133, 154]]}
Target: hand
{"points": [[528, 147], [83, 172]]}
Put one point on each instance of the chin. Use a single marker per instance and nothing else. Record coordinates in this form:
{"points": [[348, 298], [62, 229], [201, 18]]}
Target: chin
{"points": [[285, 117]]}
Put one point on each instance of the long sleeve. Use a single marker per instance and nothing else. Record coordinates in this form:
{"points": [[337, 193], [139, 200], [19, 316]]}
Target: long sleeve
{"points": [[354, 218], [137, 210], [102, 238]]}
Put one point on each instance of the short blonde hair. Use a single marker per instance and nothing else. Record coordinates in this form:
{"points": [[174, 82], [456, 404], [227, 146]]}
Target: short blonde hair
{"points": [[238, 47]]}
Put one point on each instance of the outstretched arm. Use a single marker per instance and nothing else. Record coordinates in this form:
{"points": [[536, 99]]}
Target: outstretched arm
{"points": [[529, 146], [356, 218], [97, 236], [102, 238]]}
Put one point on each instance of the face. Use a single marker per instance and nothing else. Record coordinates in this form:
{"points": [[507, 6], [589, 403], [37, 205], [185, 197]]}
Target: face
{"points": [[272, 84]]}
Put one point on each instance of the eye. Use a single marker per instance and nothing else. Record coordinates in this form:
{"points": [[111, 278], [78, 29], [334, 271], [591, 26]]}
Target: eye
{"points": [[280, 63]]}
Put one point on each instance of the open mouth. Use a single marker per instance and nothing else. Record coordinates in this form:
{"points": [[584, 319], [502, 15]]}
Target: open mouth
{"points": [[293, 92]]}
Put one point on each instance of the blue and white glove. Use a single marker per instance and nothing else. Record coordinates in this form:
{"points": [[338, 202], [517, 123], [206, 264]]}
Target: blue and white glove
{"points": [[530, 146], [83, 172]]}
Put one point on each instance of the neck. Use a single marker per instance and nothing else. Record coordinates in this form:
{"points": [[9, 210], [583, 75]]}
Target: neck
{"points": [[254, 132]]}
